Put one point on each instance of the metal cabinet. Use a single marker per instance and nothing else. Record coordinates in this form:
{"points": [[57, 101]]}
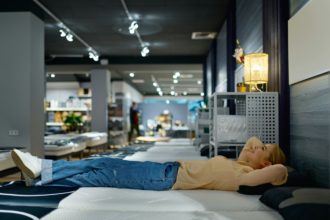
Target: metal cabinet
{"points": [[234, 117]]}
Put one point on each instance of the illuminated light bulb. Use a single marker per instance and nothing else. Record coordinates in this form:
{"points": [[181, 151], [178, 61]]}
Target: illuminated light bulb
{"points": [[62, 33], [133, 27], [69, 37]]}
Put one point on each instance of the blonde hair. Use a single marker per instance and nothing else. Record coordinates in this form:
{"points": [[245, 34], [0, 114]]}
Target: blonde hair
{"points": [[277, 156]]}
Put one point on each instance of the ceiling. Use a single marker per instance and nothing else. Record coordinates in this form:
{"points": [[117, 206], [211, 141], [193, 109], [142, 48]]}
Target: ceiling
{"points": [[165, 26]]}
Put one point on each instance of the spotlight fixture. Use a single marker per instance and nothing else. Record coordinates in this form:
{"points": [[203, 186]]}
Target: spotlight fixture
{"points": [[67, 33], [131, 75], [175, 81], [133, 27], [199, 82], [202, 93], [133, 30], [62, 33], [69, 37], [52, 75], [93, 54], [185, 93], [144, 51]]}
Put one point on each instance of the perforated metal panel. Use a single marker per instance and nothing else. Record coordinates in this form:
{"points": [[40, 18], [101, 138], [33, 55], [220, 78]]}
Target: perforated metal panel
{"points": [[262, 116], [240, 104], [259, 109]]}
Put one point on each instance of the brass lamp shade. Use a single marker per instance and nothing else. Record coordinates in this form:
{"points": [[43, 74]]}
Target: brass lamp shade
{"points": [[256, 68]]}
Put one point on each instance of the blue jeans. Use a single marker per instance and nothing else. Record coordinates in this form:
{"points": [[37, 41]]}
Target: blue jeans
{"points": [[109, 172]]}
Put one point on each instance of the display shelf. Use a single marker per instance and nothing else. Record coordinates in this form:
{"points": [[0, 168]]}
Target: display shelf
{"points": [[234, 117], [114, 118], [67, 109], [118, 121], [202, 126], [54, 123]]}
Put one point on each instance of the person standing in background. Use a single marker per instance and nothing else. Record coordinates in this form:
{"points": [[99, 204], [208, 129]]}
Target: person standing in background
{"points": [[134, 118]]}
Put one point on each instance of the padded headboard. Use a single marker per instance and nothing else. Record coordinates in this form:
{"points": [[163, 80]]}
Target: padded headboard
{"points": [[310, 128]]}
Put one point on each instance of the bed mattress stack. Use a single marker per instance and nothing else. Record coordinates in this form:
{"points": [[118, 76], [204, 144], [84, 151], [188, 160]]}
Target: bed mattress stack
{"points": [[62, 145], [114, 203]]}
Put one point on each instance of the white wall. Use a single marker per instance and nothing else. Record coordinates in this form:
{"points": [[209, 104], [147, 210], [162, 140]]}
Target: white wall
{"points": [[61, 91], [129, 92], [309, 42]]}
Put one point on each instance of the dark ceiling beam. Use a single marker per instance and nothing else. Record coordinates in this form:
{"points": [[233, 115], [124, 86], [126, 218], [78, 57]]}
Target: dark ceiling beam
{"points": [[127, 60]]}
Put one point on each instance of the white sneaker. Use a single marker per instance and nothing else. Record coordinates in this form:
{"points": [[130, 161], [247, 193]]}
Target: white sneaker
{"points": [[28, 164], [28, 180]]}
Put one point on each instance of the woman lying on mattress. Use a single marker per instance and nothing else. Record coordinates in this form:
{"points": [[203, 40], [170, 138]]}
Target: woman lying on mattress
{"points": [[257, 164]]}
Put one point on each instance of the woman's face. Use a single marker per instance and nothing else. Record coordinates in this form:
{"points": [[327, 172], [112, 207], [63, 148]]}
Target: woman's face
{"points": [[257, 156]]}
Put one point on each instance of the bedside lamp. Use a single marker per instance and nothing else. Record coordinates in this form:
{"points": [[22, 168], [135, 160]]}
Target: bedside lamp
{"points": [[256, 70]]}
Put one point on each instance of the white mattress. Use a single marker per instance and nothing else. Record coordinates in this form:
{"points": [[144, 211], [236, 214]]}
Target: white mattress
{"points": [[172, 149], [119, 215], [95, 138], [70, 147], [172, 144], [180, 140], [100, 198], [77, 147], [6, 162], [138, 215], [165, 156], [112, 203], [129, 204], [53, 150]]}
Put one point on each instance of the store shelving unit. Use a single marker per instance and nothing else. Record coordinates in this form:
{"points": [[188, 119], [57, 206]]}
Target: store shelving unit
{"points": [[55, 115], [202, 126], [236, 116], [118, 121]]}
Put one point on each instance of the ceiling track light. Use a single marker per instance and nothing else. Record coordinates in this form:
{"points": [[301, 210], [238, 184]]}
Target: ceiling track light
{"points": [[66, 32], [93, 54], [62, 33], [133, 27], [145, 51], [133, 30], [69, 37]]}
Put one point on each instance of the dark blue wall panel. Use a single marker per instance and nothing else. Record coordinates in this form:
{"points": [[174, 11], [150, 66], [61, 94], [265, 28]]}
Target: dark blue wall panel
{"points": [[310, 128], [221, 64], [248, 29]]}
